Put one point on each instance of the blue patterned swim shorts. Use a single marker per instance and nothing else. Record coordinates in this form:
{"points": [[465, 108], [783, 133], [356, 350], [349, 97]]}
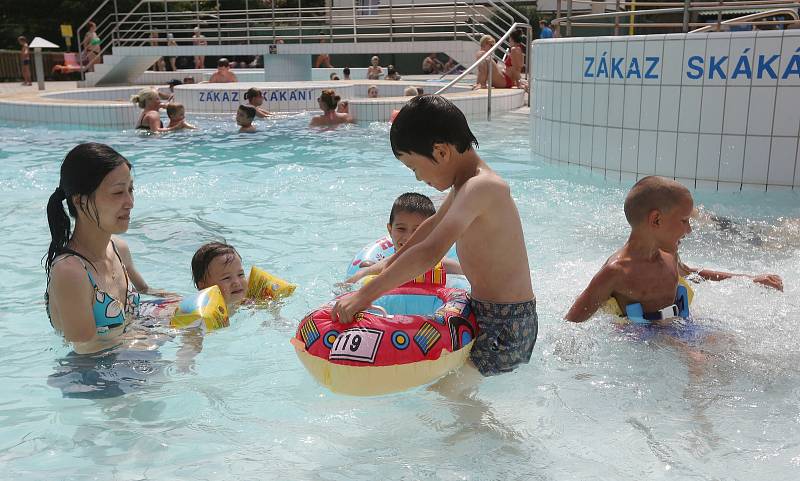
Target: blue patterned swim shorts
{"points": [[507, 334]]}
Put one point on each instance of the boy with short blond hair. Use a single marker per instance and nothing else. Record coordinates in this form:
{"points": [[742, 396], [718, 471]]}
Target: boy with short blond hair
{"points": [[431, 137], [645, 271]]}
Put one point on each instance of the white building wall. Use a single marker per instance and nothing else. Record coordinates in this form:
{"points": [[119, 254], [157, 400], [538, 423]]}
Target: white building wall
{"points": [[716, 111]]}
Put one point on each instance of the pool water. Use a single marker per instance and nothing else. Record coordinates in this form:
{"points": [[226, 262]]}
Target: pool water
{"points": [[594, 403]]}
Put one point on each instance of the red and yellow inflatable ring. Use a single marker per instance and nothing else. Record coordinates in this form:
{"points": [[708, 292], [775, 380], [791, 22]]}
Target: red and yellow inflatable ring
{"points": [[379, 353]]}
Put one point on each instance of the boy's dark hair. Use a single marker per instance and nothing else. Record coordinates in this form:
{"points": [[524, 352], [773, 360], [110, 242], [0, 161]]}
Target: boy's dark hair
{"points": [[173, 109], [412, 203], [426, 120], [223, 62], [207, 253], [346, 71], [174, 83], [252, 93], [249, 111]]}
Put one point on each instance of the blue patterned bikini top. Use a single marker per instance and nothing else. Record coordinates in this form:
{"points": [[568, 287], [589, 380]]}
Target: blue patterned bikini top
{"points": [[109, 312]]}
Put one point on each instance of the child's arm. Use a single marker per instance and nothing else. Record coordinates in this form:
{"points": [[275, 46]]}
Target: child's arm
{"points": [[187, 125], [472, 201], [451, 266], [595, 295], [770, 280], [372, 270], [261, 113]]}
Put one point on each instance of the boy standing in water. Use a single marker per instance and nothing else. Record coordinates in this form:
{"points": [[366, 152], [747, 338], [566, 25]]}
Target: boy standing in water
{"points": [[645, 270], [431, 137]]}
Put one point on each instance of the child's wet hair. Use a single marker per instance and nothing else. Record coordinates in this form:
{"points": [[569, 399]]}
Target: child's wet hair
{"points": [[248, 110], [653, 193], [329, 98], [174, 109], [207, 253], [412, 203], [426, 120], [252, 93]]}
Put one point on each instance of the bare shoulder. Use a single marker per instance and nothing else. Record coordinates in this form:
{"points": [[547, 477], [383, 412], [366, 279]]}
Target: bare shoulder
{"points": [[68, 271], [122, 247], [487, 182]]}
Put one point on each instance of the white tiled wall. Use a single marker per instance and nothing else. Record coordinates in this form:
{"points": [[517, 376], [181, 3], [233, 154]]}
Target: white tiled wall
{"points": [[733, 126]]}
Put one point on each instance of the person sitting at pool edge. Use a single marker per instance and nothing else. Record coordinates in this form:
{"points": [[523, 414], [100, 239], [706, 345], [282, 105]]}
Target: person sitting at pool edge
{"points": [[223, 73], [219, 264], [328, 102], [177, 117], [255, 98], [244, 118], [408, 212], [431, 137]]}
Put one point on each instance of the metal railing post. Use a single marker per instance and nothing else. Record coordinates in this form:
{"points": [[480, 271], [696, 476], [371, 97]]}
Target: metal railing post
{"points": [[719, 17], [558, 15], [300, 18], [528, 52], [569, 18], [273, 23], [115, 32], [490, 66], [391, 23], [149, 18], [355, 29], [686, 16], [247, 19], [166, 16], [413, 20], [330, 20], [455, 20], [219, 25], [616, 21]]}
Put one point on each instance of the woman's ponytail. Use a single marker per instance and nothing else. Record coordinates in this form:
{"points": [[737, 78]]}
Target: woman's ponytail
{"points": [[59, 223]]}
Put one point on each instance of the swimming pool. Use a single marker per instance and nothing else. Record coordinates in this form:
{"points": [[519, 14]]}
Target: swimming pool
{"points": [[593, 403]]}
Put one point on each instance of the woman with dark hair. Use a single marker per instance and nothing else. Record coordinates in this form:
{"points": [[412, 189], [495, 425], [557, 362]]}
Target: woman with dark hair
{"points": [[328, 101], [91, 294]]}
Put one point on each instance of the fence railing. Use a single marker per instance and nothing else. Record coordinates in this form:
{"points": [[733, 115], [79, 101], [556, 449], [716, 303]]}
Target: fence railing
{"points": [[773, 13], [456, 20]]}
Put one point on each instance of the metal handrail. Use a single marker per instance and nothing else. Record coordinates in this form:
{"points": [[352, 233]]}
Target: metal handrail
{"points": [[753, 16], [490, 53]]}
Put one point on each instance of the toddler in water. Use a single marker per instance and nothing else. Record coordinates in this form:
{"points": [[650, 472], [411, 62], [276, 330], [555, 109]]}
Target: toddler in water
{"points": [[219, 264], [408, 212], [177, 117], [244, 118]]}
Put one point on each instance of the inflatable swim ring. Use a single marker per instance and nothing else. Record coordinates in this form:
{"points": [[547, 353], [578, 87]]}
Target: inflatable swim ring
{"points": [[383, 248], [411, 336]]}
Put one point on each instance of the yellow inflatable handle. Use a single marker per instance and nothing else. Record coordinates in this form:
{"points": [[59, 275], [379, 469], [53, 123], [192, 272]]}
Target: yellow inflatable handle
{"points": [[207, 310], [263, 285]]}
